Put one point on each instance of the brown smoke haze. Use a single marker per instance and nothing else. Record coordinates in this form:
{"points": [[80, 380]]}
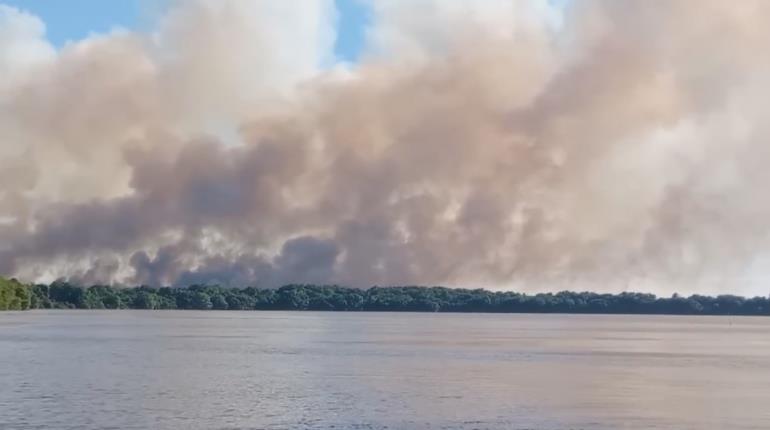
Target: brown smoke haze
{"points": [[606, 145]]}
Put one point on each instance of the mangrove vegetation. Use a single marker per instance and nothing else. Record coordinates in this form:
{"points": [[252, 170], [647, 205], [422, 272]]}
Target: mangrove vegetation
{"points": [[62, 295]]}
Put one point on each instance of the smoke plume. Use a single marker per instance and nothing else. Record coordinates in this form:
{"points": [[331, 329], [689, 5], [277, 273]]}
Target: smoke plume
{"points": [[602, 144]]}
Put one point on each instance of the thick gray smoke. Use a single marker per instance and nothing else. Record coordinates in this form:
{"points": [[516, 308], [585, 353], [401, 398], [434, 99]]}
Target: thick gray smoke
{"points": [[604, 145]]}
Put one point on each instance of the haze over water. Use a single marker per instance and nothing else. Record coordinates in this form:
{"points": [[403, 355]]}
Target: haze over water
{"points": [[276, 370]]}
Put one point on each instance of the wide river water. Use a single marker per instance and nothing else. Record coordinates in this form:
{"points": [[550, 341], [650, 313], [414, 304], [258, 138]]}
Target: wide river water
{"points": [[305, 370]]}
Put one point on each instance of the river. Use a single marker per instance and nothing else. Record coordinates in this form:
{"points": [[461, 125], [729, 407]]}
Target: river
{"points": [[306, 370]]}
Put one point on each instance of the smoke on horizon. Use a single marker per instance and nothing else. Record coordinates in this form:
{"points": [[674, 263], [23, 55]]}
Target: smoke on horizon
{"points": [[611, 144]]}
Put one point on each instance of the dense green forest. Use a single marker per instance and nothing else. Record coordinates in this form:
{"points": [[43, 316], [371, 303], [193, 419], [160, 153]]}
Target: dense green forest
{"points": [[14, 295], [62, 295]]}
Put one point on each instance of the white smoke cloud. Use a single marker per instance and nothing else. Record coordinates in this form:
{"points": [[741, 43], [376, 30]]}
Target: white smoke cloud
{"points": [[613, 144], [22, 45]]}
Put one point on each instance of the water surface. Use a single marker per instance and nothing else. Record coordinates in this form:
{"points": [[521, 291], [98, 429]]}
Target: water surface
{"points": [[304, 370]]}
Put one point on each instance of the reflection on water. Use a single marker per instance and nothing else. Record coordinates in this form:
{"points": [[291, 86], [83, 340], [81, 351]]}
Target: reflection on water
{"points": [[253, 370]]}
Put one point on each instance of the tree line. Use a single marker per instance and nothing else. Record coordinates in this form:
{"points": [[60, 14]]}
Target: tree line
{"points": [[14, 295], [62, 295]]}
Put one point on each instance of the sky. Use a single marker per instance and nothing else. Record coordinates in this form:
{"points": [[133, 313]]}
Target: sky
{"points": [[532, 144], [72, 20]]}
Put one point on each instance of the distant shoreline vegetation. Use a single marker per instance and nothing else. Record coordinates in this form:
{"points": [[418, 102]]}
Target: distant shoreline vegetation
{"points": [[61, 295]]}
